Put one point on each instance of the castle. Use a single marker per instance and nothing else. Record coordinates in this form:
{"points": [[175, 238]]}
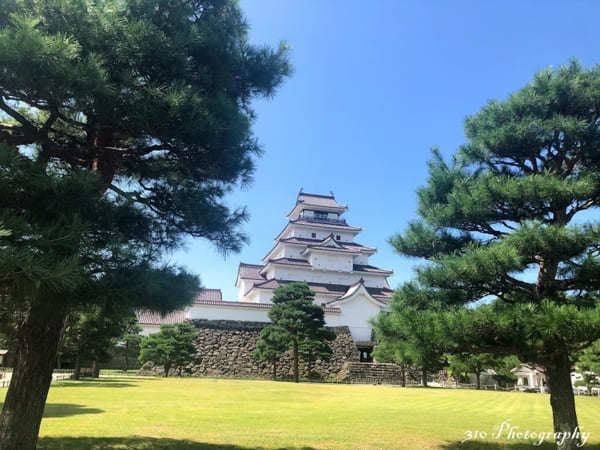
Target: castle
{"points": [[316, 246]]}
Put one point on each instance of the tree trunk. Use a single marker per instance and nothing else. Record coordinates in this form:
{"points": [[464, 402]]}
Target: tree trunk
{"points": [[562, 401], [126, 356], [95, 369], [167, 368], [296, 371], [26, 397], [478, 377], [424, 375], [274, 370], [77, 371], [403, 375]]}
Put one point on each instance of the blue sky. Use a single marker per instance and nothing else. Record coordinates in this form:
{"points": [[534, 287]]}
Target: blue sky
{"points": [[376, 85]]}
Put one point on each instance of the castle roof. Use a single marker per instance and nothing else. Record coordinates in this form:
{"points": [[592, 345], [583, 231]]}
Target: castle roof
{"points": [[318, 200], [326, 288], [316, 242]]}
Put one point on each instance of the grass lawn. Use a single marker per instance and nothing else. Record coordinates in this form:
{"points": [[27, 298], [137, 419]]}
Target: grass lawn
{"points": [[147, 413]]}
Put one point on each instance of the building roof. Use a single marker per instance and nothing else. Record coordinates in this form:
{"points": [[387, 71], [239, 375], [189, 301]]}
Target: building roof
{"points": [[337, 225], [305, 263], [153, 318], [317, 242], [331, 309], [370, 269], [326, 288], [250, 271], [209, 294], [319, 200]]}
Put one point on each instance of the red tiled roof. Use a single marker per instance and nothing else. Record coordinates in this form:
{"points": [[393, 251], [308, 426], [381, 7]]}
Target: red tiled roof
{"points": [[290, 261], [368, 268], [250, 271], [253, 305], [154, 318], [325, 288], [318, 200], [209, 294], [305, 263]]}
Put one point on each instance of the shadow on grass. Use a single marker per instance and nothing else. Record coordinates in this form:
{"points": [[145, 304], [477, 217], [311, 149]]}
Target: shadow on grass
{"points": [[94, 382], [135, 443], [68, 409], [475, 445]]}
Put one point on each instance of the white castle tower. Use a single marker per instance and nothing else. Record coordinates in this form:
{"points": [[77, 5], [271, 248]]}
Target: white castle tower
{"points": [[317, 247]]}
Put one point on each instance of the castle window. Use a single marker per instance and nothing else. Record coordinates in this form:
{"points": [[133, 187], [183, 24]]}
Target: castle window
{"points": [[337, 237], [313, 235], [320, 215]]}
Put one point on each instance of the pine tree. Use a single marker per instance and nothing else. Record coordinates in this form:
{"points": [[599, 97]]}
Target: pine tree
{"points": [[464, 364], [297, 320], [588, 364], [271, 345], [503, 224], [172, 347], [412, 336], [143, 107]]}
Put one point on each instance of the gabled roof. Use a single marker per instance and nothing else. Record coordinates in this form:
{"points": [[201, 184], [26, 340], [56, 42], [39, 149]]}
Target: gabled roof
{"points": [[345, 244], [355, 289], [250, 271], [353, 246], [317, 202], [307, 250], [325, 288], [305, 263]]}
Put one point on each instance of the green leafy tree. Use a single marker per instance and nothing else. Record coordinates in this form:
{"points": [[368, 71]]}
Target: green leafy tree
{"points": [[315, 347], [397, 351], [412, 332], [172, 347], [463, 364], [297, 320], [89, 336], [128, 344], [512, 263], [589, 366], [271, 344], [123, 124]]}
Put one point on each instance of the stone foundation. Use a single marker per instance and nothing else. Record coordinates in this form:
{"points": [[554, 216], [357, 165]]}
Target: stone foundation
{"points": [[225, 349]]}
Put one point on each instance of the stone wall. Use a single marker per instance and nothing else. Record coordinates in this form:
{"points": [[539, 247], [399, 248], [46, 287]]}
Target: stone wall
{"points": [[225, 350], [376, 373]]}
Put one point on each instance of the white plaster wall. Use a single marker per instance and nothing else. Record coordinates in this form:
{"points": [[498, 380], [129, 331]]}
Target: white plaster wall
{"points": [[244, 285], [340, 262], [361, 259], [296, 273], [356, 313], [213, 312], [290, 251], [302, 232]]}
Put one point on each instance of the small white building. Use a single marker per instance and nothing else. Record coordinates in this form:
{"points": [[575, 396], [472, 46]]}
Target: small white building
{"points": [[316, 246], [529, 377]]}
